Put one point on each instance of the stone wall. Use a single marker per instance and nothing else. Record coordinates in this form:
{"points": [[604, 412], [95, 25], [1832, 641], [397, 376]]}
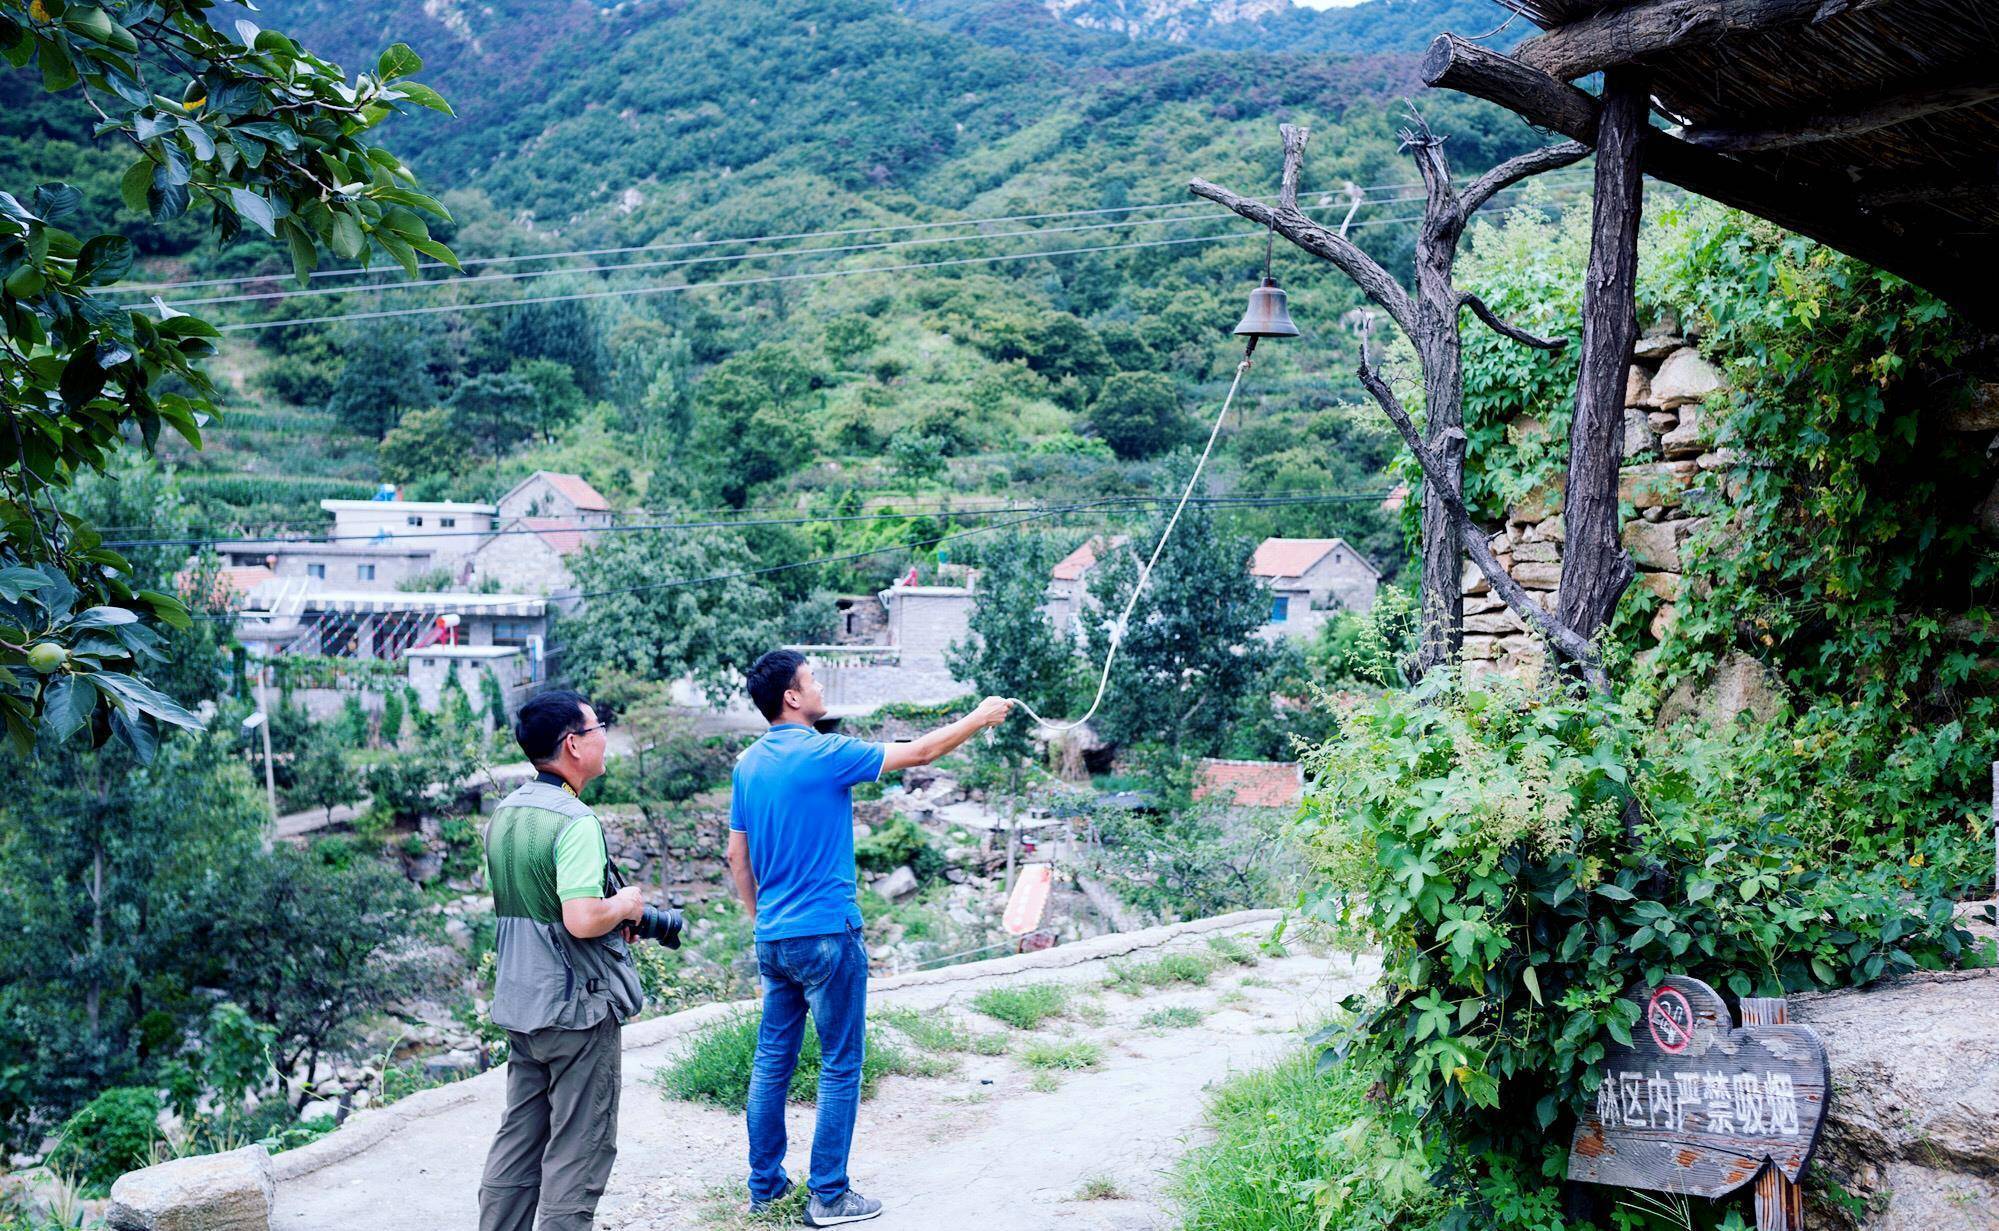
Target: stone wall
{"points": [[1666, 446]]}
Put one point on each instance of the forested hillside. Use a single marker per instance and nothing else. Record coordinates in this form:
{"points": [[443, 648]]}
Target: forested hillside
{"points": [[991, 370]]}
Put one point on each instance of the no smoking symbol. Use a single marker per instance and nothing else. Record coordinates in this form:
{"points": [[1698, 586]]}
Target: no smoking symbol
{"points": [[1671, 1020]]}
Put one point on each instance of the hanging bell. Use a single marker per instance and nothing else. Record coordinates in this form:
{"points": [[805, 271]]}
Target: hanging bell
{"points": [[1267, 316]]}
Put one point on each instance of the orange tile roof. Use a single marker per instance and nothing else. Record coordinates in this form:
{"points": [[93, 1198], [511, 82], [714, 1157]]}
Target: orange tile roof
{"points": [[1289, 557], [1252, 784], [1084, 558], [231, 584], [585, 497]]}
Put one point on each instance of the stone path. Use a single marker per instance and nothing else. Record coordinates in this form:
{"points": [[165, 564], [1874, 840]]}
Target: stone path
{"points": [[979, 1147]]}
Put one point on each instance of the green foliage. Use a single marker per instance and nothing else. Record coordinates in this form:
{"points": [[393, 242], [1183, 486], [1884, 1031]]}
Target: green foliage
{"points": [[1011, 649], [634, 625], [1134, 978], [262, 132], [1025, 1006], [1177, 1017], [1475, 834], [1189, 658], [1138, 414], [385, 372], [714, 1065], [898, 841], [321, 776], [747, 430], [424, 444], [426, 781], [112, 1134], [1066, 1055], [1196, 860], [235, 1053], [392, 718], [1292, 1145]]}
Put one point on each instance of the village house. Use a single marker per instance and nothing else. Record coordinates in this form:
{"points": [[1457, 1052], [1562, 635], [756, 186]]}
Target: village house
{"points": [[1309, 581]]}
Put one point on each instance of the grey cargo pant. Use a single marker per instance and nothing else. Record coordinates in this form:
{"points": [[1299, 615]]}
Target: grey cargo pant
{"points": [[560, 1133]]}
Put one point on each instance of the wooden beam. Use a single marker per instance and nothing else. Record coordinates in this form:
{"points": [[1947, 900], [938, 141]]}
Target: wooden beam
{"points": [[1631, 33], [1835, 125], [1813, 206]]}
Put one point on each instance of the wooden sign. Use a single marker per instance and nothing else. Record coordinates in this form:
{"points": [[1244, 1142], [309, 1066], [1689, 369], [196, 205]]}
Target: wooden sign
{"points": [[1697, 1105]]}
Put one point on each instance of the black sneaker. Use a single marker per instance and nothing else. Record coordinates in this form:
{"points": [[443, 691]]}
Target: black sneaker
{"points": [[849, 1206], [758, 1207]]}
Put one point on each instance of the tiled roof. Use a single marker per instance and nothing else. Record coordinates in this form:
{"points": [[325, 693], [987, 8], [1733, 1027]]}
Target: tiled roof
{"points": [[557, 532], [1252, 784], [1289, 557], [1072, 566], [585, 497], [230, 584]]}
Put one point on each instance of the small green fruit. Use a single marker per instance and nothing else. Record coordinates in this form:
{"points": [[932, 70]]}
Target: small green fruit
{"points": [[47, 656]]}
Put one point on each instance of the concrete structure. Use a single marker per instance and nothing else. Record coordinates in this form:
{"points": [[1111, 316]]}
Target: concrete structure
{"points": [[1310, 580], [448, 529], [910, 663], [516, 669], [348, 565], [567, 498], [861, 620]]}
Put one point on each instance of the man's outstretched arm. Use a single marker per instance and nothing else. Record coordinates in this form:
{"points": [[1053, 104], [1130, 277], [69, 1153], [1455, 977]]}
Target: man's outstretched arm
{"points": [[930, 745]]}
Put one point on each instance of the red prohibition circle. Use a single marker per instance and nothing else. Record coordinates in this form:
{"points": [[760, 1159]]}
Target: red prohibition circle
{"points": [[1670, 1019]]}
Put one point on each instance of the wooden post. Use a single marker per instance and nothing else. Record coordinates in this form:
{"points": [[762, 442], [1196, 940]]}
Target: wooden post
{"points": [[1780, 1204]]}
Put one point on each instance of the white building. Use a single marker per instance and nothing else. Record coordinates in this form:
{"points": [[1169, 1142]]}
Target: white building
{"points": [[448, 529]]}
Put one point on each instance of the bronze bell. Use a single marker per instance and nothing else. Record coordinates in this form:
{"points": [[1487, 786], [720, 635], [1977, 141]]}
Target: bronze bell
{"points": [[1267, 316]]}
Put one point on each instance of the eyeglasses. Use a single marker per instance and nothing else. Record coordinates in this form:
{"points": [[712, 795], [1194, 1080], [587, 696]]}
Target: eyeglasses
{"points": [[601, 726]]}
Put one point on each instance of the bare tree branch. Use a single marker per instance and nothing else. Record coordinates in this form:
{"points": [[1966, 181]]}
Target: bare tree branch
{"points": [[1327, 245], [1517, 168], [1505, 330], [1295, 136], [1560, 635]]}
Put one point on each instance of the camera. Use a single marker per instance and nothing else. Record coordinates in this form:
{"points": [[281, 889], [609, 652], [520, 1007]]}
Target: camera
{"points": [[660, 924]]}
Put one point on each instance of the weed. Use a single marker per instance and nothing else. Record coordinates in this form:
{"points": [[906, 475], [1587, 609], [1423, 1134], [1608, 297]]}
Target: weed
{"points": [[1025, 1006], [1044, 1082], [1229, 949], [1176, 1017], [1090, 1012], [714, 1066], [937, 1033], [1133, 979], [1075, 1054], [1100, 1188]]}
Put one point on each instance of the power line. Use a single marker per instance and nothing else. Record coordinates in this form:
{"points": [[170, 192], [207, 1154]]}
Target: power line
{"points": [[684, 245], [385, 539]]}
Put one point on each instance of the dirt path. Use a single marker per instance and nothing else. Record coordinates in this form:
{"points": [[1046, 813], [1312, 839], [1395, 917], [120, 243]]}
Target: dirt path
{"points": [[981, 1146]]}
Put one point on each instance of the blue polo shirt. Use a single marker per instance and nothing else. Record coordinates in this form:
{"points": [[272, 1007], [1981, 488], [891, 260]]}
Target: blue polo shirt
{"points": [[792, 793]]}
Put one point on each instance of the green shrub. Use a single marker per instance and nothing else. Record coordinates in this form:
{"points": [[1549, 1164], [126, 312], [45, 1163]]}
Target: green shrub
{"points": [[108, 1136], [1475, 836], [714, 1066], [896, 842], [1230, 949], [1025, 1006]]}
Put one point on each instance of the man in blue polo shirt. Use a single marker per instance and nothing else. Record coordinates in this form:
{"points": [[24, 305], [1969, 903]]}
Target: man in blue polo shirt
{"points": [[791, 852]]}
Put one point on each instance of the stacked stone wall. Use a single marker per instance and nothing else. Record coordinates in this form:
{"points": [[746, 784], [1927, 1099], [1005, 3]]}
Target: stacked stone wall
{"points": [[1667, 444]]}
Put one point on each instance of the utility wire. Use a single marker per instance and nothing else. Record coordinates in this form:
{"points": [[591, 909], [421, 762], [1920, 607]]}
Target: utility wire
{"points": [[685, 245]]}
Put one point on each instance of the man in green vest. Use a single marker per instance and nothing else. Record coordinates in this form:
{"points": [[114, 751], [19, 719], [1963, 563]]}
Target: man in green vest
{"points": [[564, 980]]}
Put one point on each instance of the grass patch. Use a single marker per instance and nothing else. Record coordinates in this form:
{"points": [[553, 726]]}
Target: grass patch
{"points": [[1044, 1081], [1069, 1056], [1277, 1135], [727, 1208], [714, 1065], [1229, 949], [1178, 1017], [1100, 1188], [1135, 978], [1025, 1006], [935, 1033]]}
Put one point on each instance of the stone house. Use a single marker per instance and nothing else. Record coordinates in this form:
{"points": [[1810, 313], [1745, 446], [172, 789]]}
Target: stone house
{"points": [[382, 565], [1309, 580], [1069, 581], [528, 555], [567, 498]]}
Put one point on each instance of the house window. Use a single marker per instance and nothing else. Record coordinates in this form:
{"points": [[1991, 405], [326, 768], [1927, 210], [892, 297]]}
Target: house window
{"points": [[447, 522], [513, 632], [1280, 609], [365, 572], [316, 570], [413, 519]]}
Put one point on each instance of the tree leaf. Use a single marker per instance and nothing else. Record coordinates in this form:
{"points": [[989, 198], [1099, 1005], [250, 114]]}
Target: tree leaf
{"points": [[104, 260], [168, 202], [255, 208], [346, 239], [66, 707], [57, 202], [16, 581], [398, 61], [436, 251], [1616, 893], [143, 697], [105, 617], [135, 185], [1533, 982], [424, 96]]}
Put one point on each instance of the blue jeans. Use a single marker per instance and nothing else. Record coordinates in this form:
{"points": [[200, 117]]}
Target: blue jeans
{"points": [[828, 975]]}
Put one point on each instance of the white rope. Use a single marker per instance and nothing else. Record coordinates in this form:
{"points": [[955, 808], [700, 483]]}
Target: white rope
{"points": [[1145, 574]]}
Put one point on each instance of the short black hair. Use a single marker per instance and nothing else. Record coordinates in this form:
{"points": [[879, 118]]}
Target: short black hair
{"points": [[769, 676], [545, 719]]}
